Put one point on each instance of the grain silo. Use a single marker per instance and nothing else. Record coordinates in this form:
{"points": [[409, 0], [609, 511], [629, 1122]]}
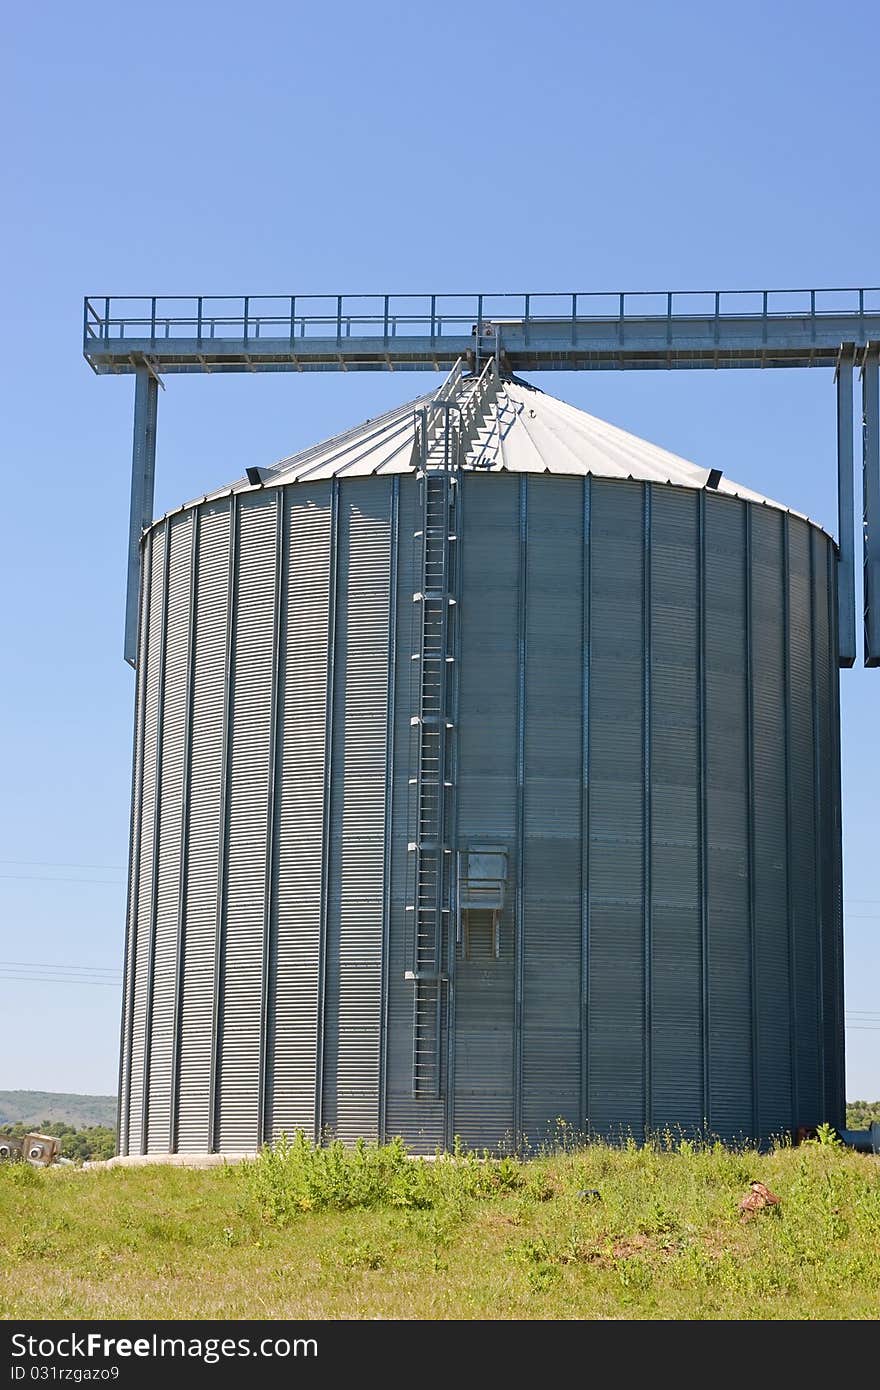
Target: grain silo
{"points": [[486, 775]]}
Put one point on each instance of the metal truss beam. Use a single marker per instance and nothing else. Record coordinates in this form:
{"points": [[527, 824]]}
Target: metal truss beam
{"points": [[526, 332]]}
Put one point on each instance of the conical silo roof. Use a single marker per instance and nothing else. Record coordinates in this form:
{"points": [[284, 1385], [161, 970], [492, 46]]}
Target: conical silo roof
{"points": [[524, 430], [515, 428]]}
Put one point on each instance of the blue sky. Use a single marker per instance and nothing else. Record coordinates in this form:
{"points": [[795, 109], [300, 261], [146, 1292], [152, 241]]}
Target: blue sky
{"points": [[288, 147]]}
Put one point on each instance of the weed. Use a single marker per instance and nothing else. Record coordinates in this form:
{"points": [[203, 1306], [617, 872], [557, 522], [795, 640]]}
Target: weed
{"points": [[34, 1245], [542, 1278], [826, 1135], [355, 1253], [20, 1175], [291, 1178]]}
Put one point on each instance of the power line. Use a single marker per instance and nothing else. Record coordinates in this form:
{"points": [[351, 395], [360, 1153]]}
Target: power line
{"points": [[57, 878], [48, 965], [62, 980], [57, 967], [57, 864], [121, 869], [67, 975], [117, 984]]}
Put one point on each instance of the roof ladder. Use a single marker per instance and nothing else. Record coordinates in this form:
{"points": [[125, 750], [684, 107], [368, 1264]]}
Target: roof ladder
{"points": [[476, 407]]}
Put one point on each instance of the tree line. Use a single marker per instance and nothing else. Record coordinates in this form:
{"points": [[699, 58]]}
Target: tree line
{"points": [[90, 1142]]}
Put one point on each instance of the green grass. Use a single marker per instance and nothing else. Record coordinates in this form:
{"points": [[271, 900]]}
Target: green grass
{"points": [[369, 1233]]}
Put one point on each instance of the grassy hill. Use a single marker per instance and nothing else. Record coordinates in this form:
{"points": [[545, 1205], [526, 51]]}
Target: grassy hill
{"points": [[653, 1232], [33, 1107]]}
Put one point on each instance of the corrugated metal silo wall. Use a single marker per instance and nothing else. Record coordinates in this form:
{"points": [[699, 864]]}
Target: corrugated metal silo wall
{"points": [[670, 946]]}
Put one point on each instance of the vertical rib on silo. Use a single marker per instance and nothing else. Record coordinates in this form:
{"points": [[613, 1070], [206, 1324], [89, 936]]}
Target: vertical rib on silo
{"points": [[836, 1085], [147, 840], [327, 812], [770, 812], [794, 1110], [240, 1013], [823, 675], [273, 797], [208, 701], [551, 809], [677, 1091], [484, 988], [754, 1040], [223, 836], [703, 809], [306, 634], [584, 981], [137, 786], [616, 812], [519, 847], [727, 829], [647, 819], [185, 817], [169, 826], [155, 838], [388, 809], [353, 1009], [803, 868]]}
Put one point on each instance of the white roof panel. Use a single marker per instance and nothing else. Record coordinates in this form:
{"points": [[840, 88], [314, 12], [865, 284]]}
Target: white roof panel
{"points": [[524, 430]]}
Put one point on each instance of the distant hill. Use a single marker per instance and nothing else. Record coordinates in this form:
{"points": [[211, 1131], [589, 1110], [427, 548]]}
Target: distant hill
{"points": [[32, 1107]]}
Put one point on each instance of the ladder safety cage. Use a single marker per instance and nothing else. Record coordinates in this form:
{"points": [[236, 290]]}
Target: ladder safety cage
{"points": [[438, 447]]}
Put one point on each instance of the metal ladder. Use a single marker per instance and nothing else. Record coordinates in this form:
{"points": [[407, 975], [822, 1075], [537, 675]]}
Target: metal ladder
{"points": [[429, 902], [446, 430]]}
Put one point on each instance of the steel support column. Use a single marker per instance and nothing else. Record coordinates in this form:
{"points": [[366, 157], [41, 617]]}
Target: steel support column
{"points": [[871, 495], [846, 567], [143, 474]]}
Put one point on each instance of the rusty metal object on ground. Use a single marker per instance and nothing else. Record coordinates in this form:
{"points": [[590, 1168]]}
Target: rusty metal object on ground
{"points": [[757, 1199]]}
